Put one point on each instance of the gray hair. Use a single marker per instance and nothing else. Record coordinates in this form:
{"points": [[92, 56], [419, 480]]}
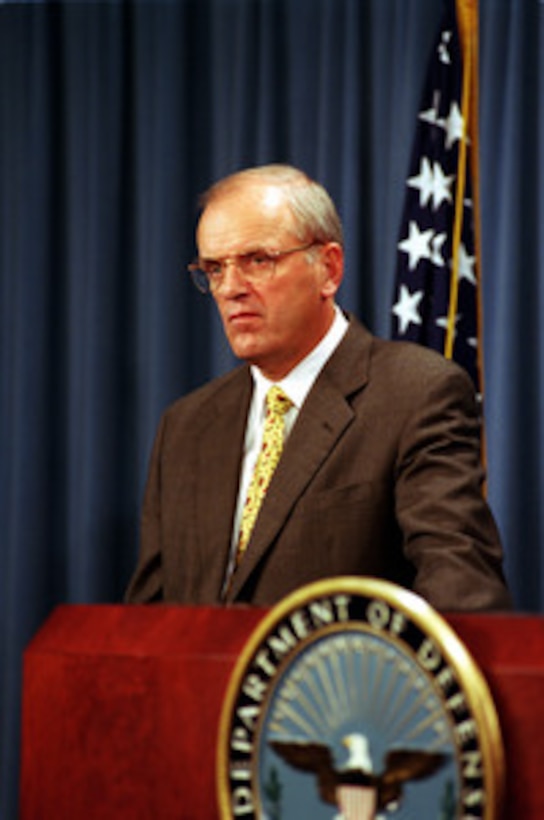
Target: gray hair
{"points": [[314, 211]]}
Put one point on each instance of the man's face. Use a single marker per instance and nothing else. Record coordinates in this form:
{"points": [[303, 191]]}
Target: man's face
{"points": [[276, 321]]}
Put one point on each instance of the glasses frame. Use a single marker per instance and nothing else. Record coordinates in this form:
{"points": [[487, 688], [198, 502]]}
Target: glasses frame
{"points": [[203, 280]]}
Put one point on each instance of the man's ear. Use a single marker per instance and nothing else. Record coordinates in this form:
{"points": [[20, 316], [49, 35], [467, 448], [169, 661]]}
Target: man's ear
{"points": [[332, 257]]}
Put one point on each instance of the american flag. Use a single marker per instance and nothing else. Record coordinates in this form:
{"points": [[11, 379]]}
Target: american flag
{"points": [[437, 288]]}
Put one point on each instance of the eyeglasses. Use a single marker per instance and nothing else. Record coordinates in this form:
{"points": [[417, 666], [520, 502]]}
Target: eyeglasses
{"points": [[209, 274]]}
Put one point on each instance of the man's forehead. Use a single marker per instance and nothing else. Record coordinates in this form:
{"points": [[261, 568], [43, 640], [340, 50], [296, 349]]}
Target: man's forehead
{"points": [[258, 212], [273, 197], [263, 193]]}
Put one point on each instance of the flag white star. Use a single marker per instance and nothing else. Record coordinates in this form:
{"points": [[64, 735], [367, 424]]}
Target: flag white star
{"points": [[436, 250], [424, 182], [454, 125], [430, 115], [431, 182], [443, 321], [443, 48], [417, 245], [441, 186], [466, 265], [406, 308]]}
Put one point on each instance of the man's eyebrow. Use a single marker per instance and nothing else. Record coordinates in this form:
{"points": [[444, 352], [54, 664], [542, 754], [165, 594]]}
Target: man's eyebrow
{"points": [[249, 252]]}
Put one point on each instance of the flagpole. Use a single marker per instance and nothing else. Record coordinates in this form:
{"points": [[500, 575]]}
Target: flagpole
{"points": [[467, 17], [467, 23], [468, 26]]}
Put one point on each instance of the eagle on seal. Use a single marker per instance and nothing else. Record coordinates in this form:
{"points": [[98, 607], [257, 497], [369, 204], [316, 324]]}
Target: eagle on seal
{"points": [[384, 788]]}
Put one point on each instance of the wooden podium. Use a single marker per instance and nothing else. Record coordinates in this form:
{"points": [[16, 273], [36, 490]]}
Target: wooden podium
{"points": [[121, 708]]}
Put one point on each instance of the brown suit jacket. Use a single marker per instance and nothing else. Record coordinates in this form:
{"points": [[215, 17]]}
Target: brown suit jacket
{"points": [[380, 477]]}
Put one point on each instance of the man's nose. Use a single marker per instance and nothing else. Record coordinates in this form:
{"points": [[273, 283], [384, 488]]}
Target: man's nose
{"points": [[233, 280]]}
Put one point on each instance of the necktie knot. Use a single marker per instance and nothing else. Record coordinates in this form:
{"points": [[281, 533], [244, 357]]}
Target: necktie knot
{"points": [[277, 402]]}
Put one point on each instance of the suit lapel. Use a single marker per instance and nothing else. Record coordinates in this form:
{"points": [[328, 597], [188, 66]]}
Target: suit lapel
{"points": [[325, 415], [217, 475]]}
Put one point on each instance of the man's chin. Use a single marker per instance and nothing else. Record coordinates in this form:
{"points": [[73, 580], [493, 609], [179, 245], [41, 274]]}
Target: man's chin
{"points": [[248, 353], [244, 347]]}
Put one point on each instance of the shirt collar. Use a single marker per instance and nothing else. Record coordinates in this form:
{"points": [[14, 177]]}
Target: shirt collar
{"points": [[299, 381]]}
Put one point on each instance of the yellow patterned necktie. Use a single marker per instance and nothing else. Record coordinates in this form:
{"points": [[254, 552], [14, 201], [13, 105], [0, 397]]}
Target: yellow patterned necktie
{"points": [[277, 405]]}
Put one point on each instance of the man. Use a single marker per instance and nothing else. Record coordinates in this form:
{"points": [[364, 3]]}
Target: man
{"points": [[380, 472]]}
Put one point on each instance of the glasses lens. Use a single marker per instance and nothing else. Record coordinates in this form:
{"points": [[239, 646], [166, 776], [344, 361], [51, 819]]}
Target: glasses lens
{"points": [[200, 279]]}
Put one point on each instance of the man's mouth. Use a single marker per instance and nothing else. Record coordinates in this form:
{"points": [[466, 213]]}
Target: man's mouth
{"points": [[241, 317]]}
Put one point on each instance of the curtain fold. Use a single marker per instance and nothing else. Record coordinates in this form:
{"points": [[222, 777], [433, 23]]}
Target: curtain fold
{"points": [[114, 116], [511, 89]]}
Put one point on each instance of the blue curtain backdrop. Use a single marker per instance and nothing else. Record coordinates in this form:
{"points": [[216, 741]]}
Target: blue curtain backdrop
{"points": [[113, 117]]}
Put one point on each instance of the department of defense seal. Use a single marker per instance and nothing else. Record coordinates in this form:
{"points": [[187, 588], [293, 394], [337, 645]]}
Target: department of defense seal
{"points": [[353, 698]]}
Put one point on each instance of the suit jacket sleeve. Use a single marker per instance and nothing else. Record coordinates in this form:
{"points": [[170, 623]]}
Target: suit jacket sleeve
{"points": [[449, 533]]}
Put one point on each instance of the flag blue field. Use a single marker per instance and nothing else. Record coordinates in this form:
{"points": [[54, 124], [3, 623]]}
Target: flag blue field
{"points": [[437, 287]]}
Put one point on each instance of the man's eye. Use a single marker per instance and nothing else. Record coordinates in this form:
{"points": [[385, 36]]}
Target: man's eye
{"points": [[211, 267], [257, 259]]}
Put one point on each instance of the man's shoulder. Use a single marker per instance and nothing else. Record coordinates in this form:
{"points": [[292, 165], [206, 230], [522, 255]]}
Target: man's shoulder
{"points": [[232, 384], [411, 360], [395, 362]]}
